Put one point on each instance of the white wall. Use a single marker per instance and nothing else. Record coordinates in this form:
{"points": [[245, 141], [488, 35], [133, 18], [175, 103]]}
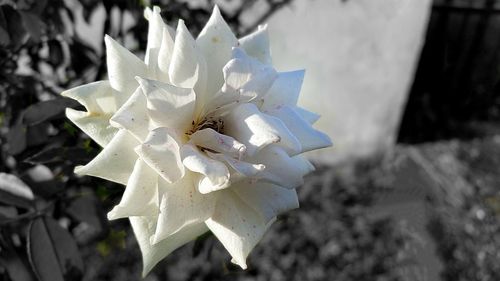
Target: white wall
{"points": [[360, 57]]}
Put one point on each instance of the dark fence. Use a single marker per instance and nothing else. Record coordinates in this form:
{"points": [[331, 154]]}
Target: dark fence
{"points": [[455, 91]]}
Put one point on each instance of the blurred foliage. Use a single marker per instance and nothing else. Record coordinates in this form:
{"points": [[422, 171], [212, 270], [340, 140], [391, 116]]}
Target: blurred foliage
{"points": [[47, 214]]}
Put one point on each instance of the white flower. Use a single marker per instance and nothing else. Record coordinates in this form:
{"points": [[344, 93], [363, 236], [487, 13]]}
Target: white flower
{"points": [[205, 135]]}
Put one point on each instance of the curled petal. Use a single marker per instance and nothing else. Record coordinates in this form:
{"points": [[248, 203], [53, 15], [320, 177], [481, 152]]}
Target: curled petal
{"points": [[115, 162], [285, 90], [247, 76], [215, 175], [267, 199], [167, 105], [95, 126], [123, 66], [97, 97], [309, 138], [239, 169], [209, 138], [161, 151], [181, 205], [237, 226], [257, 130], [133, 116], [144, 228], [141, 194], [99, 100], [282, 169], [215, 42], [256, 44]]}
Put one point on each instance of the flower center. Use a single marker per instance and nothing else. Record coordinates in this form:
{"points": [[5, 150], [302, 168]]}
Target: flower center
{"points": [[217, 124]]}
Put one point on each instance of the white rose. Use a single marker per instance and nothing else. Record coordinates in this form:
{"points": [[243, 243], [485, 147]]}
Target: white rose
{"points": [[204, 133]]}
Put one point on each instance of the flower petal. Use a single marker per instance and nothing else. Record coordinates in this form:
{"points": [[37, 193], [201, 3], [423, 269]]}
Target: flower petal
{"points": [[247, 76], [267, 199], [155, 34], [97, 97], [99, 100], [144, 228], [95, 126], [215, 175], [285, 90], [307, 115], [215, 42], [141, 194], [167, 105], [123, 66], [115, 162], [165, 53], [237, 226], [256, 44], [309, 138], [188, 68], [133, 116], [257, 130], [209, 138], [239, 170], [281, 169], [161, 151], [181, 205]]}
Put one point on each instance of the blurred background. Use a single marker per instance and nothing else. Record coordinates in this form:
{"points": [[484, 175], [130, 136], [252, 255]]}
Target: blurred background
{"points": [[407, 90]]}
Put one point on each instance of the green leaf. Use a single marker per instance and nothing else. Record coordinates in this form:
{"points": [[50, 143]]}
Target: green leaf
{"points": [[52, 251]]}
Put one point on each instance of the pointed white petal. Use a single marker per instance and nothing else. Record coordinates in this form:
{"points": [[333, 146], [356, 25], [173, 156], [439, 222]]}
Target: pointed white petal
{"points": [[209, 138], [215, 175], [307, 115], [247, 76], [123, 66], [281, 169], [144, 228], [181, 205], [285, 90], [257, 130], [256, 44], [188, 68], [267, 199], [310, 139], [133, 116], [168, 105], [115, 162], [165, 53], [215, 42], [237, 226], [97, 97], [161, 151], [141, 194], [95, 126], [155, 33]]}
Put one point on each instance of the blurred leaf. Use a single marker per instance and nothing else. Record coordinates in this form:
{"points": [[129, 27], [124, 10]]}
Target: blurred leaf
{"points": [[4, 37], [52, 252], [87, 209], [16, 30], [13, 185], [34, 25], [56, 55], [57, 154], [37, 134], [200, 242], [16, 138], [46, 110], [16, 268], [115, 240]]}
